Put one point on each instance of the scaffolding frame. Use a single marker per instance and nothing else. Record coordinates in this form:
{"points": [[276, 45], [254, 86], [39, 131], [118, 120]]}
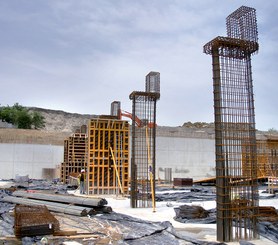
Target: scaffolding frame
{"points": [[75, 156], [267, 153], [143, 158], [108, 156], [235, 133]]}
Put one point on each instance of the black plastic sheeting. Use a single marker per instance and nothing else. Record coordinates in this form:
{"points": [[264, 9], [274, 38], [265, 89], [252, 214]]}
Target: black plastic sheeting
{"points": [[137, 231], [210, 219], [192, 194], [187, 195], [269, 230], [40, 184], [6, 220]]}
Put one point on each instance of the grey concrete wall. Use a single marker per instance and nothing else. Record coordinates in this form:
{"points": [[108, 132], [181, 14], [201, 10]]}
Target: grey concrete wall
{"points": [[28, 159], [188, 157]]}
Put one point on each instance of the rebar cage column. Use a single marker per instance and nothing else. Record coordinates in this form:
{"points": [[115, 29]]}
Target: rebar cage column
{"points": [[235, 138], [143, 148]]}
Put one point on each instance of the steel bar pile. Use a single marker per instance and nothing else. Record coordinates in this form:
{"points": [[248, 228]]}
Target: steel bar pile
{"points": [[235, 139], [144, 142], [85, 201], [53, 206], [34, 221]]}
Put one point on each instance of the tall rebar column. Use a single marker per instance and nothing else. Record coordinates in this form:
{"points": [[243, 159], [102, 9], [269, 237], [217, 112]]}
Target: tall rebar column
{"points": [[235, 138], [143, 148]]}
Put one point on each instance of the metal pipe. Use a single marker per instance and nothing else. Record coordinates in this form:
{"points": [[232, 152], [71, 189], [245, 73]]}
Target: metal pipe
{"points": [[52, 206], [94, 202]]}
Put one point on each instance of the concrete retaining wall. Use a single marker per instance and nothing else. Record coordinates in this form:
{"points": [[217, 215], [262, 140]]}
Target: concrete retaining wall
{"points": [[28, 159], [188, 152], [188, 157]]}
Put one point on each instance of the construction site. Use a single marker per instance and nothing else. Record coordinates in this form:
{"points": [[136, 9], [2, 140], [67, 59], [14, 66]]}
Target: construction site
{"points": [[145, 183]]}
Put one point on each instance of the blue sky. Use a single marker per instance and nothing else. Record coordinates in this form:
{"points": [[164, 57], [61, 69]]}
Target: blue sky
{"points": [[80, 55]]}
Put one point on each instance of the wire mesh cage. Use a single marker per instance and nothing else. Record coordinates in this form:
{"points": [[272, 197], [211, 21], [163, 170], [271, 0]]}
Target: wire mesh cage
{"points": [[235, 132], [143, 149]]}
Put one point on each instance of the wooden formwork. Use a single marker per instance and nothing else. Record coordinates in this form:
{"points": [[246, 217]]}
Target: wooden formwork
{"points": [[75, 155], [64, 163], [267, 153], [108, 156]]}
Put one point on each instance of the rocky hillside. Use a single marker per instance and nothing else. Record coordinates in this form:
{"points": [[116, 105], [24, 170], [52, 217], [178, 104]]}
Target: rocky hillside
{"points": [[62, 121], [59, 125], [198, 125], [65, 122]]}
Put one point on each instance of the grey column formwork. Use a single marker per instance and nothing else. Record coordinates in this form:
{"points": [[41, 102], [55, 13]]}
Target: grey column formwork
{"points": [[143, 148], [235, 138]]}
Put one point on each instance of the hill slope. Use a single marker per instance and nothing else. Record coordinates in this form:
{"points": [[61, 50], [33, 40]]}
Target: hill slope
{"points": [[60, 121]]}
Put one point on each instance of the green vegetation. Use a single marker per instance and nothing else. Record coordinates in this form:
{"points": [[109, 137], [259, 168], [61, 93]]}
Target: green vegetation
{"points": [[273, 130], [21, 117]]}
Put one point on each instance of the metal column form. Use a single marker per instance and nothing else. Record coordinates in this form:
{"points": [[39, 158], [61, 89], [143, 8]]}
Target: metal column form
{"points": [[143, 158], [115, 108], [108, 156], [153, 82], [235, 133]]}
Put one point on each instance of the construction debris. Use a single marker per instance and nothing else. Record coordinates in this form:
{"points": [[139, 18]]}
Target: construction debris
{"points": [[191, 212], [195, 214]]}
